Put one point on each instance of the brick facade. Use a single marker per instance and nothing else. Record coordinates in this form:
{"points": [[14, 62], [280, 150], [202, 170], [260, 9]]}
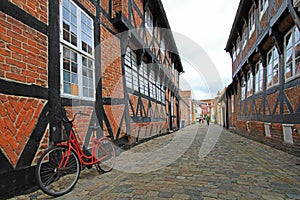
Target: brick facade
{"points": [[34, 78], [264, 114]]}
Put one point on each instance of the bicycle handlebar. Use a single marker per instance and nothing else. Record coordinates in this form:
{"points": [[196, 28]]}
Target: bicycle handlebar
{"points": [[75, 115]]}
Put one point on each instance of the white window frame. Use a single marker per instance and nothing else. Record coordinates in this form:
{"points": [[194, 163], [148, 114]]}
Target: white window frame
{"points": [[249, 84], [243, 89], [244, 38], [251, 21], [78, 50], [259, 77], [238, 48], [233, 54], [272, 62], [149, 21], [295, 60], [163, 46], [173, 68], [263, 5]]}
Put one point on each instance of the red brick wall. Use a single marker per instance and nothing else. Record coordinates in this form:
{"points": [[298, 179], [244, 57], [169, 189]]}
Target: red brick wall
{"points": [[23, 53], [18, 117], [36, 8], [121, 6]]}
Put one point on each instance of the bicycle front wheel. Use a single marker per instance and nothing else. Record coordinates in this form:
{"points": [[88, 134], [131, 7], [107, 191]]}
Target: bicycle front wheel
{"points": [[57, 171], [105, 151]]}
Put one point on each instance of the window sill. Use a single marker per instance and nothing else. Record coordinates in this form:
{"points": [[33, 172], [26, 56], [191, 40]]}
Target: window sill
{"points": [[292, 78], [69, 96]]}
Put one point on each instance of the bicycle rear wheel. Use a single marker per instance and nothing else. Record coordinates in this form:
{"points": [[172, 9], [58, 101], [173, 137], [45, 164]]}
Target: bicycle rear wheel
{"points": [[106, 150], [57, 172]]}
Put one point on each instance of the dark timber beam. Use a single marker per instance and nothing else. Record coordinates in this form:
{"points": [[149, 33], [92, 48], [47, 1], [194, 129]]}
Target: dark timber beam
{"points": [[54, 72], [252, 66], [263, 56], [293, 13], [278, 40]]}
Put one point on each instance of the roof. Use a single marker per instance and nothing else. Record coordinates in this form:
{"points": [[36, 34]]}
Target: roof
{"points": [[164, 23], [240, 17]]}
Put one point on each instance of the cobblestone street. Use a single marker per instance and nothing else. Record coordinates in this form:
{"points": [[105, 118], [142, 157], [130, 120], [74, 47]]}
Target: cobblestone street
{"points": [[235, 168]]}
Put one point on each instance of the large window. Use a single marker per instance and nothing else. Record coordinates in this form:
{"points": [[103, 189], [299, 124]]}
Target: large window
{"points": [[292, 53], [272, 67], [131, 70], [249, 83], [258, 77], [77, 47], [149, 21]]}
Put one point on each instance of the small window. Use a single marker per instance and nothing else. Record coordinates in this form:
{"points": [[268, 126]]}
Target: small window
{"points": [[243, 88], [233, 54], [249, 83], [149, 21], [258, 77], [251, 21], [263, 5], [244, 39], [238, 41], [272, 67], [163, 46], [292, 54], [173, 68]]}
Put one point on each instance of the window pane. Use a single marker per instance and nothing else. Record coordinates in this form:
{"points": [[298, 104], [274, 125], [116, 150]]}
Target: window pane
{"points": [[67, 76], [67, 88], [288, 55], [85, 92], [86, 33], [74, 67], [69, 22], [74, 89], [74, 78], [85, 81]]}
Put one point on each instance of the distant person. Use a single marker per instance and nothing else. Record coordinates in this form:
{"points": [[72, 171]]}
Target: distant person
{"points": [[207, 120], [202, 120]]}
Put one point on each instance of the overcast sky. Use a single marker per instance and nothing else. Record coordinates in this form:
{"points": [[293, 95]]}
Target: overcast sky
{"points": [[207, 24]]}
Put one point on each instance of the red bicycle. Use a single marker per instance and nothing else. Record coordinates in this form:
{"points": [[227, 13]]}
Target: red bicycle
{"points": [[58, 168]]}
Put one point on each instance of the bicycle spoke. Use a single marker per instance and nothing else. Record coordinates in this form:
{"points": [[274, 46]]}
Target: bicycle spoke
{"points": [[49, 180], [57, 172]]}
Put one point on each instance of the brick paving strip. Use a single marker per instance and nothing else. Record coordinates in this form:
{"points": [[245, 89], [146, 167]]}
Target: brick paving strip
{"points": [[234, 168]]}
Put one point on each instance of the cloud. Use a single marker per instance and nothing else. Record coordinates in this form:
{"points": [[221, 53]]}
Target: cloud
{"points": [[208, 24]]}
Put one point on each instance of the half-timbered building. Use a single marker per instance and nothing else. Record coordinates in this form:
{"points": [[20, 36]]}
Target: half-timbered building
{"points": [[263, 100], [113, 59]]}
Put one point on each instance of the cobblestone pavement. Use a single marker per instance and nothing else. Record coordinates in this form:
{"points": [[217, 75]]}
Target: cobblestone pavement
{"points": [[236, 168]]}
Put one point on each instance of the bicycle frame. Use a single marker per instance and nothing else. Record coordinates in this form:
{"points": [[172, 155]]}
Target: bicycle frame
{"points": [[73, 144]]}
